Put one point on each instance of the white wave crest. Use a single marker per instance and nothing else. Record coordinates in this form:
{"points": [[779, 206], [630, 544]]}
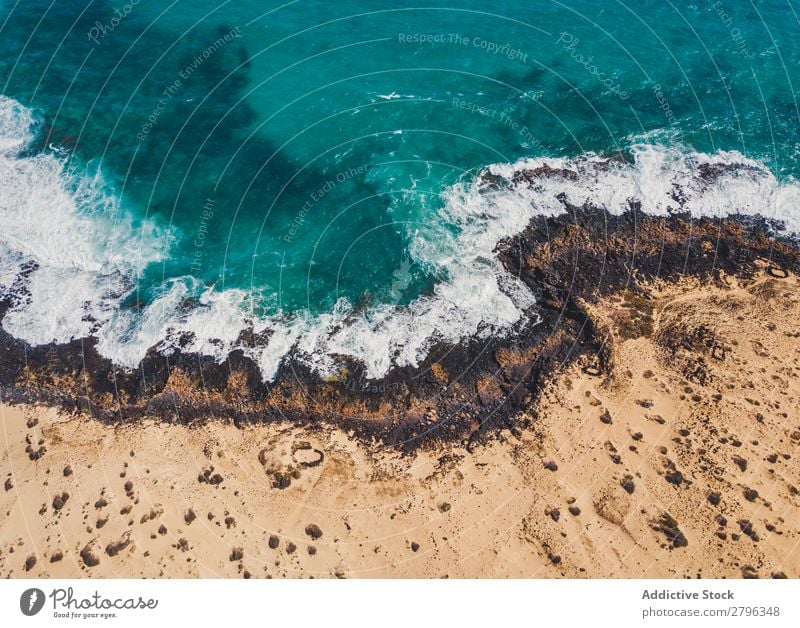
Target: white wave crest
{"points": [[84, 250], [69, 256], [664, 179]]}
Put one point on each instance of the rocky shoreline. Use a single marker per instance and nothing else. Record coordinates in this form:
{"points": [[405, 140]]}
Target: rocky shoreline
{"points": [[651, 432], [461, 393]]}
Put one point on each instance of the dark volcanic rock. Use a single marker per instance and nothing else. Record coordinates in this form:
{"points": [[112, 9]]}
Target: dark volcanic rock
{"points": [[627, 484], [114, 548], [674, 477], [668, 526], [566, 261], [89, 556], [60, 500], [749, 572], [747, 528], [313, 531]]}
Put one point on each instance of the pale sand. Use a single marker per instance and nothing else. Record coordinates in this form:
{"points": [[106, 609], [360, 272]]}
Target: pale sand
{"points": [[483, 514]]}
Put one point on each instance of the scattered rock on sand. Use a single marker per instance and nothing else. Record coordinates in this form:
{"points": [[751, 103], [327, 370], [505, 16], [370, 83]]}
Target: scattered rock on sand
{"points": [[273, 541], [236, 554], [627, 484], [57, 556], [209, 477], [30, 562], [668, 526], [414, 546], [674, 477], [60, 500], [89, 555], [313, 531], [189, 516], [182, 545], [749, 572], [746, 527], [281, 480], [115, 547]]}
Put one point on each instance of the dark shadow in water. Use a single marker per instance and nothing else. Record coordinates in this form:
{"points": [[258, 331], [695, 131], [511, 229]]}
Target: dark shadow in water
{"points": [[164, 113]]}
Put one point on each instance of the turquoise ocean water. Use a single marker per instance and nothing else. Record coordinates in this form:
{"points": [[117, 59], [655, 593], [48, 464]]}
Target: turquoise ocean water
{"points": [[172, 173]]}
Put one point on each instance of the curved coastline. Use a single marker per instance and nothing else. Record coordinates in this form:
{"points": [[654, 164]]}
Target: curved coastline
{"points": [[646, 427], [461, 392]]}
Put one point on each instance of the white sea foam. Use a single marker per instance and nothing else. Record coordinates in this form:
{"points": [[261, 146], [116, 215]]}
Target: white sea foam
{"points": [[739, 185], [17, 125], [86, 254], [67, 227]]}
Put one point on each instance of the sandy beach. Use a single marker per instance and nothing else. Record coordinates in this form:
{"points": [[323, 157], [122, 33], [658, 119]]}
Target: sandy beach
{"points": [[679, 460]]}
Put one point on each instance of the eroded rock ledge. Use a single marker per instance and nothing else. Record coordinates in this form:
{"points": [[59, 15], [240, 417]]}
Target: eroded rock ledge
{"points": [[460, 393]]}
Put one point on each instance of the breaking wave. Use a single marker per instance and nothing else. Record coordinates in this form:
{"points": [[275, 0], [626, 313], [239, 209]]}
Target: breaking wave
{"points": [[70, 255]]}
